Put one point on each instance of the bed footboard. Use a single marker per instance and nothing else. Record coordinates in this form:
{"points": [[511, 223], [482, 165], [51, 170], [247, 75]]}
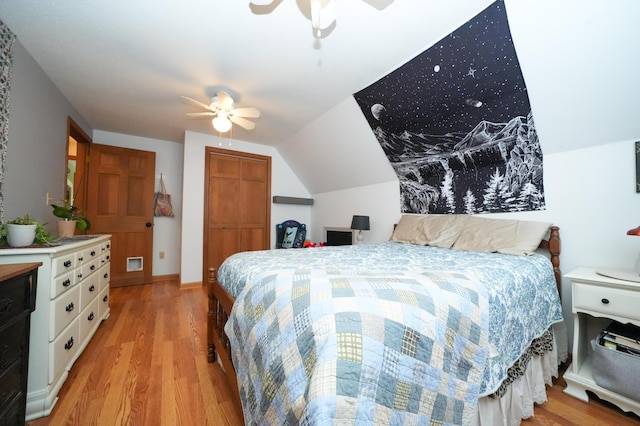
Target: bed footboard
{"points": [[220, 304]]}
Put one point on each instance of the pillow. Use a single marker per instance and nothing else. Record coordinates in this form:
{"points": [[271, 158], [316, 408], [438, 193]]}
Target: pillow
{"points": [[529, 234], [409, 230], [508, 236], [486, 235], [439, 230], [442, 230]]}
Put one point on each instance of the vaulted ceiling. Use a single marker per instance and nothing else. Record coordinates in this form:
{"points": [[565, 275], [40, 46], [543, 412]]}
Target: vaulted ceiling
{"points": [[124, 64]]}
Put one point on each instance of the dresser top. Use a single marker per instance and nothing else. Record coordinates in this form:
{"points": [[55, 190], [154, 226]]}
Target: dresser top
{"points": [[63, 245], [15, 269]]}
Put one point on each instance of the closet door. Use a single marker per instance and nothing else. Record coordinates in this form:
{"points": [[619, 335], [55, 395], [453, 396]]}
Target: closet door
{"points": [[237, 205]]}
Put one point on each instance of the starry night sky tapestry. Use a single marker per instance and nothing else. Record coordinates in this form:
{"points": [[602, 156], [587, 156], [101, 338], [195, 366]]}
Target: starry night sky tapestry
{"points": [[455, 122]]}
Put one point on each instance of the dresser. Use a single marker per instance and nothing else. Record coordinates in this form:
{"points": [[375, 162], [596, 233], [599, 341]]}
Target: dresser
{"points": [[17, 300], [596, 300], [71, 302]]}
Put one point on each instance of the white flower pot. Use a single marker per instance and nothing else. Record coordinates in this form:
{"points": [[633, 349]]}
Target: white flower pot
{"points": [[20, 235]]}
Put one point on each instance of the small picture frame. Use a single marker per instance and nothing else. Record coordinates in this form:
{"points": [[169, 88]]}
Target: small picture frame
{"points": [[289, 237]]}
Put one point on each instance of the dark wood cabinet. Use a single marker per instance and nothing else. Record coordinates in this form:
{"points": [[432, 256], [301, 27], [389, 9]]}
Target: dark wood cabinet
{"points": [[18, 284]]}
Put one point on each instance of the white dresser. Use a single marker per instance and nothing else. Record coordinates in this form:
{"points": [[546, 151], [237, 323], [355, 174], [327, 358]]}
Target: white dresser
{"points": [[71, 301]]}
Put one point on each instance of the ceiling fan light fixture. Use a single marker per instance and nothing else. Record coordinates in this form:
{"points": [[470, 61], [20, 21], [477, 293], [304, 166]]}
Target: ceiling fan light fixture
{"points": [[323, 15], [221, 123]]}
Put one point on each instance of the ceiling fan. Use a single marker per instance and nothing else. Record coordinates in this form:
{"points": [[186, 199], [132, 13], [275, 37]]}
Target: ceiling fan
{"points": [[223, 113]]}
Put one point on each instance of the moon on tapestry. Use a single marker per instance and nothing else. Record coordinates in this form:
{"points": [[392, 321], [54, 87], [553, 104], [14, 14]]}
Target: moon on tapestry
{"points": [[456, 124], [378, 110]]}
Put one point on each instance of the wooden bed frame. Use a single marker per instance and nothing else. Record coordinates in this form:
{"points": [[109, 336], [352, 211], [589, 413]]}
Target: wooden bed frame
{"points": [[221, 302]]}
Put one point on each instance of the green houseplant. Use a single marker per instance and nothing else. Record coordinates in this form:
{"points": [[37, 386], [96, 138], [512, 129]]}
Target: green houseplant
{"points": [[24, 231], [71, 212]]}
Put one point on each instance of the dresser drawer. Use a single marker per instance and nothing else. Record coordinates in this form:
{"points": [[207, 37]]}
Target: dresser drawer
{"points": [[62, 283], [89, 319], [91, 253], [12, 415], [14, 299], [89, 289], [11, 343], [104, 275], [66, 262], [62, 349], [103, 300], [63, 310], [606, 300], [10, 383]]}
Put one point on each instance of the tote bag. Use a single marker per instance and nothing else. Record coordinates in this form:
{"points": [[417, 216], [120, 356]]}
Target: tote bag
{"points": [[162, 205]]}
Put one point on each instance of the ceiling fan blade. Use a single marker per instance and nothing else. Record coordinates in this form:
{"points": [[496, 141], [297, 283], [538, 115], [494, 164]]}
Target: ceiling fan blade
{"points": [[195, 103], [243, 122], [246, 112], [200, 114], [224, 99]]}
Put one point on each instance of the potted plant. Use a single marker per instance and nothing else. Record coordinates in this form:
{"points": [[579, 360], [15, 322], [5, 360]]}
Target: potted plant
{"points": [[24, 231], [73, 217]]}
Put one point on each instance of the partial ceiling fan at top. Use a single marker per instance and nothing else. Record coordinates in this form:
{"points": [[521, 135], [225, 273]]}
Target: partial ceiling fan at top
{"points": [[223, 113], [322, 13]]}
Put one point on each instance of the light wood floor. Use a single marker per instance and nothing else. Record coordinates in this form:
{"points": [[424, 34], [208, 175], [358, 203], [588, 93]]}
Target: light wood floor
{"points": [[147, 365]]}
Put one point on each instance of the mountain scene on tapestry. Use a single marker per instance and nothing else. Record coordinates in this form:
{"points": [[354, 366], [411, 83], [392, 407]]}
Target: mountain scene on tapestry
{"points": [[456, 124]]}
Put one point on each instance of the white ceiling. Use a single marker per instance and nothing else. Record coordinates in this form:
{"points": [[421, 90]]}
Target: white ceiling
{"points": [[124, 64]]}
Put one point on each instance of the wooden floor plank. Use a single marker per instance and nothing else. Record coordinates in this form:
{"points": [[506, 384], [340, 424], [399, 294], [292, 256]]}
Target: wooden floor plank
{"points": [[147, 365]]}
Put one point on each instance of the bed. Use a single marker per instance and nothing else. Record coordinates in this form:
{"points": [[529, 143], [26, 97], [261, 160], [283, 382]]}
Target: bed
{"points": [[448, 322]]}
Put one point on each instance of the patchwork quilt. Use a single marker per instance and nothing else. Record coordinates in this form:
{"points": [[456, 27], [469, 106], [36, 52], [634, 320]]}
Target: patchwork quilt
{"points": [[327, 346], [293, 307]]}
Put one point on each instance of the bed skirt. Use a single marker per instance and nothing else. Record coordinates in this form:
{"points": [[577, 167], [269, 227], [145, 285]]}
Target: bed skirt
{"points": [[518, 401]]}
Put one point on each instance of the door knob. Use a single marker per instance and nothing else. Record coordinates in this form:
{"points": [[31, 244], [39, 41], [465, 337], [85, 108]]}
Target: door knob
{"points": [[148, 224]]}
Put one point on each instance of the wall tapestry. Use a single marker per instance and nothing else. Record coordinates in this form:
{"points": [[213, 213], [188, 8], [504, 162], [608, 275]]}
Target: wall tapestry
{"points": [[7, 38], [455, 122]]}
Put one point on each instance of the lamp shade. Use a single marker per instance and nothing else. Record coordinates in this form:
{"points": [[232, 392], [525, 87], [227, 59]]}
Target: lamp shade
{"points": [[634, 231], [360, 222]]}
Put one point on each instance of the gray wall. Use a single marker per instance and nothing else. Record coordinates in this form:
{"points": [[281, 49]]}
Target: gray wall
{"points": [[36, 157]]}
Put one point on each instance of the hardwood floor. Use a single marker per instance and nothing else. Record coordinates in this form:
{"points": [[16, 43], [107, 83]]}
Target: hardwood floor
{"points": [[147, 365]]}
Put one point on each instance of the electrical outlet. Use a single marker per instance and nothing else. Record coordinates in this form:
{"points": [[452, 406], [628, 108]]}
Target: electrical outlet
{"points": [[161, 255]]}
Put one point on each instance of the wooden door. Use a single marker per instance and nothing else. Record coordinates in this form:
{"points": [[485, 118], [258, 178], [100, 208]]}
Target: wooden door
{"points": [[120, 203], [237, 205]]}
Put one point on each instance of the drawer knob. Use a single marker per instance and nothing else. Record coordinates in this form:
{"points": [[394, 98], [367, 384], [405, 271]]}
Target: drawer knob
{"points": [[605, 301], [67, 263], [93, 253], [6, 304], [105, 298], [69, 307], [106, 275], [92, 288], [90, 317], [81, 259], [69, 344], [93, 267], [79, 275], [66, 283]]}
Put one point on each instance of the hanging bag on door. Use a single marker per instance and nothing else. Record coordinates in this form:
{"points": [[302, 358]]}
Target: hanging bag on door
{"points": [[162, 205]]}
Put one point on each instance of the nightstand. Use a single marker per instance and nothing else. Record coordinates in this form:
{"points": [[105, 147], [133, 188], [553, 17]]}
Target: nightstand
{"points": [[596, 300]]}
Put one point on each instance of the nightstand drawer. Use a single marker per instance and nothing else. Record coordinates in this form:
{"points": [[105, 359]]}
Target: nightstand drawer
{"points": [[608, 301]]}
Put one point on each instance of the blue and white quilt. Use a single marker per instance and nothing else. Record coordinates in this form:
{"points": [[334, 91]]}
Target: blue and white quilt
{"points": [[389, 333]]}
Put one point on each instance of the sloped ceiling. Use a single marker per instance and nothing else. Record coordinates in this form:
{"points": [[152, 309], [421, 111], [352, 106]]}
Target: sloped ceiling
{"points": [[123, 65]]}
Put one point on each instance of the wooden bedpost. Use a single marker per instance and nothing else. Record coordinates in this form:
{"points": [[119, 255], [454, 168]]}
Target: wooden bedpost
{"points": [[554, 250], [211, 318]]}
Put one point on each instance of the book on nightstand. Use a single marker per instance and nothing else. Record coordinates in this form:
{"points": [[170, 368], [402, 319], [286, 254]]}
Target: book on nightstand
{"points": [[624, 337]]}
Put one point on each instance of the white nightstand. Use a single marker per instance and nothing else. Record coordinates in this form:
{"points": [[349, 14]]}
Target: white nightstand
{"points": [[596, 300]]}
